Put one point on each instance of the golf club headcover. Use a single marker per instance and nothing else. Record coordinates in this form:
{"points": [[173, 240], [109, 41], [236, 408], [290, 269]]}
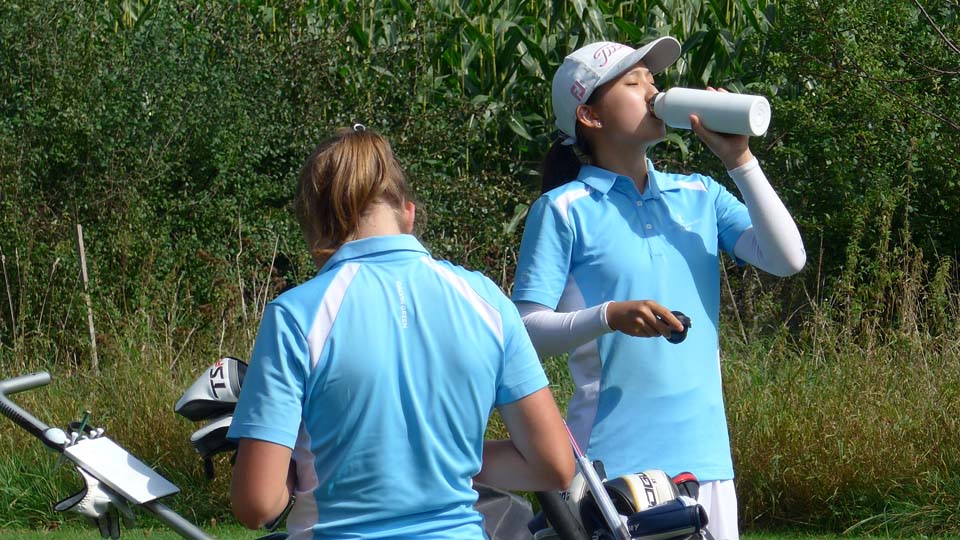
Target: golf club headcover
{"points": [[101, 506], [211, 440], [629, 493], [632, 493], [678, 518], [687, 485], [215, 392]]}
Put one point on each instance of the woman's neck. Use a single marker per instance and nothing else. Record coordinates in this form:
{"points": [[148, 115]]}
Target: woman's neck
{"points": [[380, 219], [626, 162]]}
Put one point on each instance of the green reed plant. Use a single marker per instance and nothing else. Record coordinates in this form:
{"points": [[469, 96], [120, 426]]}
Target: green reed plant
{"points": [[502, 53]]}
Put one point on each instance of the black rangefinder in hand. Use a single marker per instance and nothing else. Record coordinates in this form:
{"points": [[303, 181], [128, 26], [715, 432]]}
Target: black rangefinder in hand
{"points": [[678, 337]]}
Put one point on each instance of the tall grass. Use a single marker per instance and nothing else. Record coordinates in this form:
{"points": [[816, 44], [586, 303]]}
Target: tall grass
{"points": [[850, 420], [153, 358]]}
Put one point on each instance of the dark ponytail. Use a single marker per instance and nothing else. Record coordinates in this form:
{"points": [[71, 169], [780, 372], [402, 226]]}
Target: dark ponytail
{"points": [[562, 162], [560, 165]]}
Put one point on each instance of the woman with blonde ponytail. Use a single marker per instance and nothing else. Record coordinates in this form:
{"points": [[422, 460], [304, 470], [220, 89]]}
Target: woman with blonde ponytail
{"points": [[370, 385]]}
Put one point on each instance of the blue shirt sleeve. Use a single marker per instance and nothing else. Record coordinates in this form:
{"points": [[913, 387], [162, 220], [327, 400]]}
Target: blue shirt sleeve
{"points": [[522, 373], [271, 399], [545, 255], [732, 219]]}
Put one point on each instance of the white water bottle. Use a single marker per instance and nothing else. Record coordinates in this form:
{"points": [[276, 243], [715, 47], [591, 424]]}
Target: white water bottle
{"points": [[724, 112]]}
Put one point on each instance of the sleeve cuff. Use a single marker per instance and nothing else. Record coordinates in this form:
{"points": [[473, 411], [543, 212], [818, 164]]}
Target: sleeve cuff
{"points": [[603, 315], [741, 171]]}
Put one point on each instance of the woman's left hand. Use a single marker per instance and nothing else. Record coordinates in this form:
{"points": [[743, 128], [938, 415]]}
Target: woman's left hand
{"points": [[733, 150]]}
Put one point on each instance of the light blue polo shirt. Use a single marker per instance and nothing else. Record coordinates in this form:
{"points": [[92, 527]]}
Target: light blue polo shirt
{"points": [[380, 373], [639, 403]]}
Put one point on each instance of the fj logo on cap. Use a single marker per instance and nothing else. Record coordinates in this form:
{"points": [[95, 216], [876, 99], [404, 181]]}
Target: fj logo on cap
{"points": [[577, 90]]}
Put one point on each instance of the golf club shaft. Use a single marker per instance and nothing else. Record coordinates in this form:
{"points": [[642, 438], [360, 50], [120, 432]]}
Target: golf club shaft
{"points": [[599, 492]]}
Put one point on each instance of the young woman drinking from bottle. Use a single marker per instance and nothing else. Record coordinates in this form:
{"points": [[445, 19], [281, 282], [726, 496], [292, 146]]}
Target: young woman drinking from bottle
{"points": [[613, 246]]}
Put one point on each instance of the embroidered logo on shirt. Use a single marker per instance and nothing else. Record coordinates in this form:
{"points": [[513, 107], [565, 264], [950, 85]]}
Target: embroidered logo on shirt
{"points": [[695, 185], [403, 305], [686, 225]]}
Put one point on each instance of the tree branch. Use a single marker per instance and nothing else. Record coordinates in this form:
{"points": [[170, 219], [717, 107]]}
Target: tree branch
{"points": [[950, 44]]}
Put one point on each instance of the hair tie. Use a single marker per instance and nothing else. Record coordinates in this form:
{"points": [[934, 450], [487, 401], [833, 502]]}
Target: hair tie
{"points": [[359, 127]]}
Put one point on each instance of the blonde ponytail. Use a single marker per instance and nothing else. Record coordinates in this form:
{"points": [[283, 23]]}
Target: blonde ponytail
{"points": [[341, 179]]}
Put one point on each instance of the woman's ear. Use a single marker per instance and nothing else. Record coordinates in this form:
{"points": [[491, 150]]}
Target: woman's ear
{"points": [[408, 216], [587, 117]]}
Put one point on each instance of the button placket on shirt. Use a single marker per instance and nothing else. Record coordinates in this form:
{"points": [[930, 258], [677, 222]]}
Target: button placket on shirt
{"points": [[644, 212], [646, 215], [648, 226]]}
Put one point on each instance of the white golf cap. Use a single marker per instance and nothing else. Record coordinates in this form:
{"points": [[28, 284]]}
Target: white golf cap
{"points": [[597, 63]]}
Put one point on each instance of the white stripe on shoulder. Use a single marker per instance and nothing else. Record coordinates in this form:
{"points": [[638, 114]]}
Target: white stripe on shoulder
{"points": [[489, 314], [327, 312], [695, 185], [564, 201]]}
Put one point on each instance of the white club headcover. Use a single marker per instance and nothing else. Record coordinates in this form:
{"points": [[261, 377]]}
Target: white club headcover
{"points": [[212, 438], [630, 493], [643, 490], [100, 505], [215, 392]]}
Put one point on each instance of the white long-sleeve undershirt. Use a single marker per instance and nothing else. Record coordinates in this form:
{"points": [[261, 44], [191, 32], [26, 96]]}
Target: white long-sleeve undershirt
{"points": [[773, 244], [555, 333]]}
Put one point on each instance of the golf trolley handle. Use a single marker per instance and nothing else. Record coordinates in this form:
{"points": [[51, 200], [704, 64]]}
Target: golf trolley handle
{"points": [[38, 429], [175, 521], [19, 416]]}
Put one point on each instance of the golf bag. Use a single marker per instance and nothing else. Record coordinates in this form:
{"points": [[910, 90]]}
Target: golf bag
{"points": [[653, 506]]}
